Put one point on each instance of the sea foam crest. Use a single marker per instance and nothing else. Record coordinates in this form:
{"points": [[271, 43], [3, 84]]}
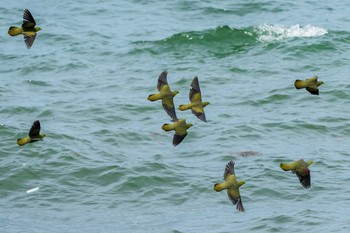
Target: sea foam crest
{"points": [[269, 33]]}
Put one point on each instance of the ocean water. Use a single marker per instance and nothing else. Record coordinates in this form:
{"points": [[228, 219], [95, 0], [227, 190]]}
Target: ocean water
{"points": [[107, 166]]}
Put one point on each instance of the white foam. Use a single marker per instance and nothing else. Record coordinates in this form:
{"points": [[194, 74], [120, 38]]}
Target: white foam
{"points": [[33, 190], [270, 33]]}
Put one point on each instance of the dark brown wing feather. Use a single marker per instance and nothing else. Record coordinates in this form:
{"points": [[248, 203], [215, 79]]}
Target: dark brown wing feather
{"points": [[27, 17], [229, 169], [200, 115], [239, 205], [178, 138], [35, 129], [305, 181], [194, 88], [313, 90], [29, 40], [162, 80], [170, 111], [236, 201]]}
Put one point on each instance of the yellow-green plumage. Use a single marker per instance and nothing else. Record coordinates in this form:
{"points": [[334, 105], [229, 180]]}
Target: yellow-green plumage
{"points": [[301, 169], [232, 186], [196, 105], [28, 29], [310, 84], [180, 126], [165, 94], [34, 135]]}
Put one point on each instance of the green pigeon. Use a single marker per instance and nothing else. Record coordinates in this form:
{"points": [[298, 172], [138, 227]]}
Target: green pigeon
{"points": [[196, 105], [165, 94], [180, 127], [311, 85], [301, 169], [34, 135], [232, 186], [28, 29]]}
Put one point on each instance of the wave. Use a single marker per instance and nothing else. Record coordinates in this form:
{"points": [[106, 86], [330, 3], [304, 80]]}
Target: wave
{"points": [[225, 40]]}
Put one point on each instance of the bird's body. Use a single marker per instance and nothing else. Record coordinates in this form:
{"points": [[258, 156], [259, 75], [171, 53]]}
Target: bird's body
{"points": [[180, 126], [165, 94], [310, 84], [196, 104], [232, 186], [34, 135], [301, 169], [28, 29]]}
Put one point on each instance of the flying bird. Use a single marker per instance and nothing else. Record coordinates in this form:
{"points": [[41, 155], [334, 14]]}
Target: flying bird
{"points": [[311, 85], [232, 186], [165, 94], [28, 29], [301, 169], [196, 105], [180, 126], [34, 135]]}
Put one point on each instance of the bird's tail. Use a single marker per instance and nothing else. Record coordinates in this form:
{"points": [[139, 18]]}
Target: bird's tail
{"points": [[184, 107], [23, 141], [154, 97], [299, 84], [15, 31], [220, 187], [168, 127], [286, 166]]}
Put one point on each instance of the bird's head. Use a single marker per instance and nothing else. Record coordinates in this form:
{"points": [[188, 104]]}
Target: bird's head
{"points": [[37, 29], [42, 135], [320, 83], [309, 162], [189, 125], [176, 92], [205, 104], [241, 182]]}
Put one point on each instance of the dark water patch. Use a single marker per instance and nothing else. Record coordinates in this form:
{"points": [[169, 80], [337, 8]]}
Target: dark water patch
{"points": [[343, 37], [111, 119], [137, 109], [237, 70], [46, 113], [306, 49], [337, 95], [143, 182], [242, 9], [272, 99], [38, 83]]}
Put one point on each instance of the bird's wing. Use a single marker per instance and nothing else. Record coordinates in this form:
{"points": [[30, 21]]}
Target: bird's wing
{"points": [[35, 129], [234, 196], [162, 80], [28, 20], [168, 106], [29, 40], [304, 180], [312, 79], [229, 169], [195, 91], [312, 90], [199, 112], [178, 138]]}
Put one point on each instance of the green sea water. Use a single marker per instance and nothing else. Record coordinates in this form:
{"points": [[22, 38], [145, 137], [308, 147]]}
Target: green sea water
{"points": [[107, 166]]}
